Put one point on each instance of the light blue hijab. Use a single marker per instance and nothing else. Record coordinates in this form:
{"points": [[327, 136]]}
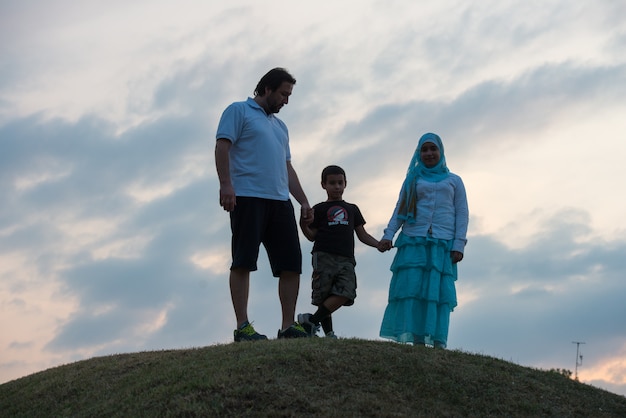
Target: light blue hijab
{"points": [[407, 209]]}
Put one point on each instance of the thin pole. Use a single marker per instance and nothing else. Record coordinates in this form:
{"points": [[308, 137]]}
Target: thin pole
{"points": [[579, 358]]}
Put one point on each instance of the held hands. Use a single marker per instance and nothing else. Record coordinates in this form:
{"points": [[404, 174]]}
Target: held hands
{"points": [[306, 215], [384, 245], [306, 219]]}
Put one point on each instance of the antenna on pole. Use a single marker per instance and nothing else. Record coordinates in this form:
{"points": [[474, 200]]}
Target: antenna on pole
{"points": [[579, 358]]}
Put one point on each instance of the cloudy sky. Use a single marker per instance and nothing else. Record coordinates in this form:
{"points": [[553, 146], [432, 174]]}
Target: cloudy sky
{"points": [[111, 236]]}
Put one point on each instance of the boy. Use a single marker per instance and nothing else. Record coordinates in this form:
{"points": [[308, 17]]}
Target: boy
{"points": [[332, 231]]}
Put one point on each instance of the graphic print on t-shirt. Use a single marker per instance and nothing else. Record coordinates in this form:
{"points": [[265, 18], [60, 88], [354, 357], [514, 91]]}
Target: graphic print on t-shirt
{"points": [[337, 215]]}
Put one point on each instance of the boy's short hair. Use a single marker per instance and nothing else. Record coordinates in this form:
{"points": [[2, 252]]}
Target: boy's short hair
{"points": [[332, 169]]}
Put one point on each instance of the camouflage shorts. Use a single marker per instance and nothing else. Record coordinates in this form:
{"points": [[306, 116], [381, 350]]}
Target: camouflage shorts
{"points": [[332, 275]]}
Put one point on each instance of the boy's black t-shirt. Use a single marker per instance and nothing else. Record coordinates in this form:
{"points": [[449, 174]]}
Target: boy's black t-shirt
{"points": [[335, 222]]}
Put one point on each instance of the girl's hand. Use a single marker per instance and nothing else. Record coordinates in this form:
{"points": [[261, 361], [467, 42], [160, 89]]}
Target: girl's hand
{"points": [[456, 256], [384, 245]]}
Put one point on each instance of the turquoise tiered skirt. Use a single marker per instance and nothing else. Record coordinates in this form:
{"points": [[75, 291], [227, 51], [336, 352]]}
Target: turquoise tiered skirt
{"points": [[421, 293]]}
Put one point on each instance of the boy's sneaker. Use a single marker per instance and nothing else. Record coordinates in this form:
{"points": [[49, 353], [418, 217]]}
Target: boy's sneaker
{"points": [[295, 330], [246, 332], [305, 320], [331, 334]]}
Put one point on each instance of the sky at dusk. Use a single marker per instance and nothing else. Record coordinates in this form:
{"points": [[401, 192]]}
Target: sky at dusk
{"points": [[112, 239]]}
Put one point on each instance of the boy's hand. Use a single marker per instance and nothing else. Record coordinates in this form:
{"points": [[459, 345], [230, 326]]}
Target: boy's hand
{"points": [[304, 223], [306, 219], [384, 245], [306, 216], [456, 256]]}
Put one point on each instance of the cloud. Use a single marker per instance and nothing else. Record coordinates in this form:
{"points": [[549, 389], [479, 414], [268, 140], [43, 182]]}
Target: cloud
{"points": [[111, 236], [541, 297]]}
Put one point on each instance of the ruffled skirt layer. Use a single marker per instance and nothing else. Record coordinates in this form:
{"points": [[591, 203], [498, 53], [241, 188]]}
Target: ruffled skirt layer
{"points": [[421, 293]]}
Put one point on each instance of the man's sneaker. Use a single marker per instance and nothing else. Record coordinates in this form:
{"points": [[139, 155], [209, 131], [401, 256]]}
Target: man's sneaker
{"points": [[295, 330], [305, 320], [246, 332], [331, 334]]}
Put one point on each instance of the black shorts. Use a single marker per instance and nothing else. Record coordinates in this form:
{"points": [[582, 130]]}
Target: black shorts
{"points": [[257, 221]]}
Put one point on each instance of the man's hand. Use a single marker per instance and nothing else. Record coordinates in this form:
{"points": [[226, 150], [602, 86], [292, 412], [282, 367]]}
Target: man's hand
{"points": [[227, 198], [306, 214]]}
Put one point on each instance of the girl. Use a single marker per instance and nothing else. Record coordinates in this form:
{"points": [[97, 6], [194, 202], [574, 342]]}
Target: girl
{"points": [[432, 211]]}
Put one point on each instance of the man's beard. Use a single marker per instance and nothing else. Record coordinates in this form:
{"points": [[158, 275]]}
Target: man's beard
{"points": [[274, 107]]}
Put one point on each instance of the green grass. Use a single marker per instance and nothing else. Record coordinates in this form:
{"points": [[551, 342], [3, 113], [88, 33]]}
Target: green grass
{"points": [[303, 377]]}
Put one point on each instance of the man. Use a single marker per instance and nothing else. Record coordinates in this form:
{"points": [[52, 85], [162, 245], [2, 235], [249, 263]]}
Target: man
{"points": [[253, 162]]}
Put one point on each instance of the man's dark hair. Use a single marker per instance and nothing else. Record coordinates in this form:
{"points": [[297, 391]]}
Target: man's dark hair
{"points": [[272, 80], [332, 169]]}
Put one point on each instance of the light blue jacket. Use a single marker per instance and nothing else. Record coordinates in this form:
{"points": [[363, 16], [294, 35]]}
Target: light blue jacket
{"points": [[442, 212]]}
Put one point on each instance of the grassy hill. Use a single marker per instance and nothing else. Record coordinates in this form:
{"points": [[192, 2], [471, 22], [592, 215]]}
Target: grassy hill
{"points": [[310, 377]]}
